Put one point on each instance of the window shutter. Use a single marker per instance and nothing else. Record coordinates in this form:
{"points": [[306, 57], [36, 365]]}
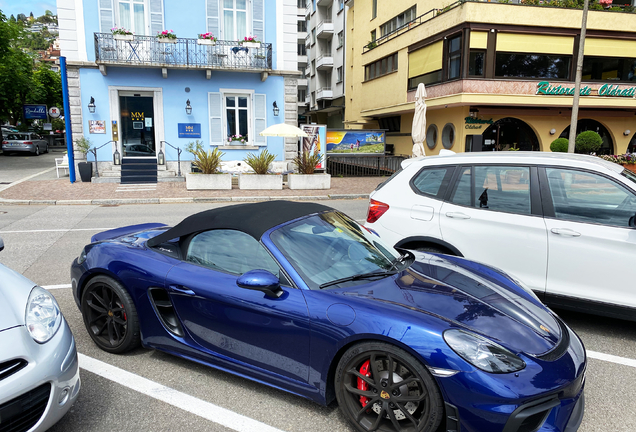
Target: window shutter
{"points": [[212, 16], [260, 118], [216, 119], [156, 17], [106, 16], [258, 15]]}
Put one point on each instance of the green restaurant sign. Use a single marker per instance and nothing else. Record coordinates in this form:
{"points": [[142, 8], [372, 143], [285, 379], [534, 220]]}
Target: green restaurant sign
{"points": [[611, 90]]}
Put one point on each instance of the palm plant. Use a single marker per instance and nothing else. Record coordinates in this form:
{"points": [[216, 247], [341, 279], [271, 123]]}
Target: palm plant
{"points": [[208, 162], [307, 162], [260, 163]]}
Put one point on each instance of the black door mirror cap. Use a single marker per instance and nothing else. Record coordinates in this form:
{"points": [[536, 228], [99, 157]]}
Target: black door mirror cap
{"points": [[261, 280]]}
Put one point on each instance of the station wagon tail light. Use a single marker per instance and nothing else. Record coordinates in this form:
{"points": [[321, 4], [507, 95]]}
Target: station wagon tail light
{"points": [[5, 142], [376, 209], [27, 142]]}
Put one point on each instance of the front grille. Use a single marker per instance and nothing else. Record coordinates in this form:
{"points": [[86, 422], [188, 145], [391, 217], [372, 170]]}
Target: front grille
{"points": [[561, 347], [10, 367], [23, 412]]}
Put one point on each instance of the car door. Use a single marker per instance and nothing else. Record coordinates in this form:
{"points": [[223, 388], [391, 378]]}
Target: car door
{"points": [[590, 243], [244, 325], [493, 215]]}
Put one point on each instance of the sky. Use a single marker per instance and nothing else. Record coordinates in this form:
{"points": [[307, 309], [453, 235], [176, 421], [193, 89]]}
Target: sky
{"points": [[14, 7]]}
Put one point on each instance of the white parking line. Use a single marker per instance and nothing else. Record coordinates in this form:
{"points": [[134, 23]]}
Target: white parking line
{"points": [[188, 403], [5, 187], [612, 358], [55, 230], [51, 287]]}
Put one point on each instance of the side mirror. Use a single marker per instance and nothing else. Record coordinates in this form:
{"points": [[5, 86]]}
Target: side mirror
{"points": [[261, 280], [1, 245]]}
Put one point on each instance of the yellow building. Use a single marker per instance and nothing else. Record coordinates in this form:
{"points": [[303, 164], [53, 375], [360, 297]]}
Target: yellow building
{"points": [[497, 75]]}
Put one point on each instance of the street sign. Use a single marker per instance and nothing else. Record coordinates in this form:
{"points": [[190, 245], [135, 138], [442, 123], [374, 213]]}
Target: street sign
{"points": [[32, 112], [54, 112]]}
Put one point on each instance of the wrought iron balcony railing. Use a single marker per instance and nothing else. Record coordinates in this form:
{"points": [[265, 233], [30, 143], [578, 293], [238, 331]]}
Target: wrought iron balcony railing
{"points": [[148, 51]]}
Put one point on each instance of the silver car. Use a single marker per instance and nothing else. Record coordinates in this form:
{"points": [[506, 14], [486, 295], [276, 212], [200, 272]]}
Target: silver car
{"points": [[29, 142], [39, 370]]}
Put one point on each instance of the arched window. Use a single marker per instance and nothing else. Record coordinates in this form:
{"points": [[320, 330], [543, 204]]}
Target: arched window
{"points": [[510, 134], [607, 148]]}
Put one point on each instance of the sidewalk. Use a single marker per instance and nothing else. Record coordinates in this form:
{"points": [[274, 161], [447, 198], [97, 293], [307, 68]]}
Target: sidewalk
{"points": [[63, 192]]}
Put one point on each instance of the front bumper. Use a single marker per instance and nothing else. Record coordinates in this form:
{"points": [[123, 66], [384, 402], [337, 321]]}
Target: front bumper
{"points": [[46, 388]]}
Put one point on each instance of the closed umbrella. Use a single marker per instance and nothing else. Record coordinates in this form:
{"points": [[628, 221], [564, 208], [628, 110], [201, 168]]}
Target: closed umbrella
{"points": [[283, 130], [418, 129]]}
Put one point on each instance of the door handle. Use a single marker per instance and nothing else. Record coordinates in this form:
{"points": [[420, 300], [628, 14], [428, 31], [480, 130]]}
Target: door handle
{"points": [[456, 215], [181, 290], [565, 232]]}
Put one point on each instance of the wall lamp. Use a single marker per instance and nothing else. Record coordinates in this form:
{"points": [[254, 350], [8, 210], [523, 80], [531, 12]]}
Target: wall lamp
{"points": [[276, 109], [473, 112], [627, 132], [188, 107], [91, 105], [552, 131]]}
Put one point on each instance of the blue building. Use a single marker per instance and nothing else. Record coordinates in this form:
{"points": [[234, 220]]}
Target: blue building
{"points": [[151, 95]]}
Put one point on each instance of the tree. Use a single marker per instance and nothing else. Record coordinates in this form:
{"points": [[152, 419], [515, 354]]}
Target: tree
{"points": [[22, 17], [12, 19], [588, 142], [46, 88], [48, 12]]}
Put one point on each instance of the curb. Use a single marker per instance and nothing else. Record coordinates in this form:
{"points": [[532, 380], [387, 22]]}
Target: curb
{"points": [[184, 200]]}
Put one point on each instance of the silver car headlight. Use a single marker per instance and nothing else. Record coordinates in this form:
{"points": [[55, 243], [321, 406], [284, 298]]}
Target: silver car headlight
{"points": [[43, 316], [482, 353]]}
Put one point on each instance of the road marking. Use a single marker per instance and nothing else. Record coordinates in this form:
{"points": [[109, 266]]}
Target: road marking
{"points": [[612, 358], [206, 410], [55, 230], [5, 187], [52, 287]]}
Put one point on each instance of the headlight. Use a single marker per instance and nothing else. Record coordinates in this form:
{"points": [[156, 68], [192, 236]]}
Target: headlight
{"points": [[482, 353], [43, 316], [82, 256]]}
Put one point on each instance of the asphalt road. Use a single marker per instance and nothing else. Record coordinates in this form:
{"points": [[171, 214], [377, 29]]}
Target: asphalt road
{"points": [[41, 242]]}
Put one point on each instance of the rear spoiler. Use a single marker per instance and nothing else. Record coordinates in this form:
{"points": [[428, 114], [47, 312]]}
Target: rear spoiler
{"points": [[127, 230]]}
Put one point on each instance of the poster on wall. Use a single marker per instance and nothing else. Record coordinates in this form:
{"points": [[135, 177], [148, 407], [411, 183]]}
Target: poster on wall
{"points": [[355, 141], [97, 126], [315, 140]]}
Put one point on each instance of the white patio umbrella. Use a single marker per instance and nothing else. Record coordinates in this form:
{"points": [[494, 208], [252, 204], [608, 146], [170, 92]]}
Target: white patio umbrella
{"points": [[418, 129], [283, 130]]}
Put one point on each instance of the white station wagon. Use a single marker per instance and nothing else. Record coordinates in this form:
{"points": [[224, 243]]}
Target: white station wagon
{"points": [[564, 224]]}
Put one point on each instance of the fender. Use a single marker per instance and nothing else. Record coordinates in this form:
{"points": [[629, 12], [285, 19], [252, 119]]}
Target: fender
{"points": [[430, 240]]}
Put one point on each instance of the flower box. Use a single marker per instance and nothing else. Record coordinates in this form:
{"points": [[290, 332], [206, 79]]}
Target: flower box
{"points": [[309, 181], [197, 181], [206, 42], [122, 37], [260, 181], [251, 44], [630, 167], [167, 40]]}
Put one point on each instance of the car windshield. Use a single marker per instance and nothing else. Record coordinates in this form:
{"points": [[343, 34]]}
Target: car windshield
{"points": [[17, 137], [328, 247], [630, 175]]}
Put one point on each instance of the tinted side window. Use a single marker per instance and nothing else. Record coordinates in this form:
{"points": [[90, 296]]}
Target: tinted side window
{"points": [[503, 188], [461, 196], [432, 181], [584, 197], [229, 251]]}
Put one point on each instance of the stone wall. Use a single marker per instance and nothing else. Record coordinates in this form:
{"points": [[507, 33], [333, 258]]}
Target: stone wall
{"points": [[291, 116]]}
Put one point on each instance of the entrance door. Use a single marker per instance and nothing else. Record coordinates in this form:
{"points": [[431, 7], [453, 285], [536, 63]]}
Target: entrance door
{"points": [[137, 124]]}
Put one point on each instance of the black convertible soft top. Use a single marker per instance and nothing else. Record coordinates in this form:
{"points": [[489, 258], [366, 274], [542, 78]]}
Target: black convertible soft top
{"points": [[253, 219]]}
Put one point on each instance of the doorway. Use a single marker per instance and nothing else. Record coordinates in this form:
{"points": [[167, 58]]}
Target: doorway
{"points": [[137, 124], [510, 134]]}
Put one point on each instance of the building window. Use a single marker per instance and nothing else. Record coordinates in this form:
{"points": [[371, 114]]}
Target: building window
{"points": [[476, 63], [303, 75], [339, 70], [302, 50], [426, 79], [381, 67], [302, 26], [301, 4], [313, 36], [132, 16], [374, 9], [454, 57], [302, 95], [390, 124], [340, 39], [399, 21], [237, 110], [373, 35], [313, 67], [235, 19], [519, 65], [448, 135], [609, 69]]}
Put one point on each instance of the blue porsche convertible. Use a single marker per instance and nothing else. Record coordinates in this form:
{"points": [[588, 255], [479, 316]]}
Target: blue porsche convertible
{"points": [[300, 297]]}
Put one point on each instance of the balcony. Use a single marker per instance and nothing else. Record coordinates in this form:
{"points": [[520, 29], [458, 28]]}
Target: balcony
{"points": [[324, 29], [324, 93], [324, 62], [308, 40], [183, 54], [302, 35], [308, 9], [325, 3], [302, 58]]}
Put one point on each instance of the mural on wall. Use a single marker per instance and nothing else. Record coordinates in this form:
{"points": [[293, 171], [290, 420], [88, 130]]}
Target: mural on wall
{"points": [[356, 142]]}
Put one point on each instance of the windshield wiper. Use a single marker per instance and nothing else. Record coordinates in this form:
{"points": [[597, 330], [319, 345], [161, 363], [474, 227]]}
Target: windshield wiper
{"points": [[358, 277]]}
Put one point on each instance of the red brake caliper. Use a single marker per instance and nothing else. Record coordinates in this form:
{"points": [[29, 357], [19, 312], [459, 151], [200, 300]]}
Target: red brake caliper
{"points": [[362, 385]]}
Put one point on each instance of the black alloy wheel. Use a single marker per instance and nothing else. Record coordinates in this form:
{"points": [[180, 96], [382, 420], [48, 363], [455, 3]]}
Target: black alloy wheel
{"points": [[110, 315], [380, 387]]}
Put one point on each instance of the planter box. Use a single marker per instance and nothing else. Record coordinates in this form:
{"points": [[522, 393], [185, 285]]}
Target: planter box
{"points": [[208, 181], [167, 40], [123, 37], [85, 170], [309, 181], [630, 167], [260, 181], [205, 42], [251, 44]]}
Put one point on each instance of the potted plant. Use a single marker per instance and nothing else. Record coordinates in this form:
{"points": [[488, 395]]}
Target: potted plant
{"points": [[85, 168], [250, 42], [237, 139], [627, 160], [306, 178], [260, 179], [206, 39], [120, 33], [587, 142], [372, 45], [559, 145], [207, 164], [167, 36]]}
